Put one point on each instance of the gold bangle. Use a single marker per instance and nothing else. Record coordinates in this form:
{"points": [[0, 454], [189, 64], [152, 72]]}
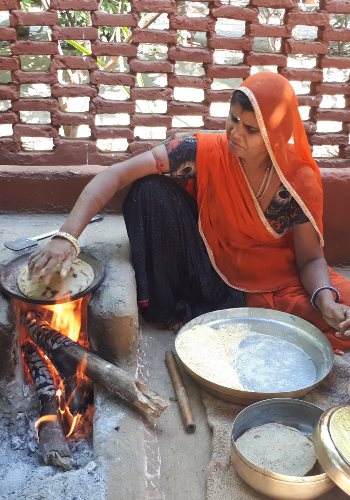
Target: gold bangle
{"points": [[70, 238]]}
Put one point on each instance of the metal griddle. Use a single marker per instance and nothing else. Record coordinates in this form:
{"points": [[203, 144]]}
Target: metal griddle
{"points": [[9, 273]]}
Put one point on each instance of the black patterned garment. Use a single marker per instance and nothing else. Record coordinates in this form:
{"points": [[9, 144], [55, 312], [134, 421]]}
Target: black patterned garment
{"points": [[282, 213]]}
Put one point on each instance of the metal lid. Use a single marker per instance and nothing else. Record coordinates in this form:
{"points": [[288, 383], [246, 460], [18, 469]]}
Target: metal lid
{"points": [[332, 445]]}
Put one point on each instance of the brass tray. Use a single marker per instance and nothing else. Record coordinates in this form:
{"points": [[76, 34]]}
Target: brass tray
{"points": [[249, 354]]}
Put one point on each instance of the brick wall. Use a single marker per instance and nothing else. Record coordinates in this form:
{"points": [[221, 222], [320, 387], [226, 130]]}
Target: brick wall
{"points": [[173, 66]]}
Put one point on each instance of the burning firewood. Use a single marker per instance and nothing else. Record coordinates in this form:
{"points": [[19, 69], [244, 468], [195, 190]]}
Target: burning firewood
{"points": [[52, 442], [63, 351]]}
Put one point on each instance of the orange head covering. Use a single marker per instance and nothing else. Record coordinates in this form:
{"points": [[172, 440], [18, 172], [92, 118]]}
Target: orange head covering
{"points": [[244, 249]]}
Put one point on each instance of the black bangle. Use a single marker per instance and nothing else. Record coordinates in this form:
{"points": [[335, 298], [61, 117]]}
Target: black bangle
{"points": [[323, 287]]}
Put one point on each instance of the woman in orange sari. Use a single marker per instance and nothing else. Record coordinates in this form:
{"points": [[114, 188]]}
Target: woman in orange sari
{"points": [[250, 233]]}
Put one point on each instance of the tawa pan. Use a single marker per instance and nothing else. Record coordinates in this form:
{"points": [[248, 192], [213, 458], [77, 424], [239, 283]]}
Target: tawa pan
{"points": [[9, 273], [249, 354]]}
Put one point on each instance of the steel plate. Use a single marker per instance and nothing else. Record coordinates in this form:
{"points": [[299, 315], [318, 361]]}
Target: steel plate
{"points": [[249, 354]]}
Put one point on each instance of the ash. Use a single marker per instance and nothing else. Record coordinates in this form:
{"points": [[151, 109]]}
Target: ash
{"points": [[23, 473]]}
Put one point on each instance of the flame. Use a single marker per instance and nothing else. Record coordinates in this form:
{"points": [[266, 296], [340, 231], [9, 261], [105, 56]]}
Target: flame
{"points": [[44, 418], [66, 318]]}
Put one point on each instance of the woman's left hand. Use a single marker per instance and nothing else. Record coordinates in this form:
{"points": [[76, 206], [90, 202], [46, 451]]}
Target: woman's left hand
{"points": [[338, 316]]}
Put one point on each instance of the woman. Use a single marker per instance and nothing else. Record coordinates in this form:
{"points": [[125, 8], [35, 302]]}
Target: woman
{"points": [[258, 236]]}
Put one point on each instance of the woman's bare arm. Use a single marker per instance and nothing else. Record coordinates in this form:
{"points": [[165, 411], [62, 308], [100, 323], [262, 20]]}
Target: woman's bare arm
{"points": [[313, 272], [93, 198]]}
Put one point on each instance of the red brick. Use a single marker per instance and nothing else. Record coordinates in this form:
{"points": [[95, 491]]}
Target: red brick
{"points": [[60, 90], [218, 95], [100, 105], [333, 88], [34, 48], [191, 23], [122, 20], [151, 94], [337, 7], [190, 54], [154, 5], [305, 47], [324, 163], [72, 62], [35, 105], [10, 4], [100, 77], [218, 71], [230, 43], [267, 30], [114, 49], [8, 63], [181, 108], [151, 66], [138, 147], [9, 92], [151, 120], [239, 13], [8, 117], [113, 133], [33, 77], [8, 34], [212, 123], [273, 4], [74, 4], [24, 130], [309, 100], [189, 81], [335, 62], [308, 18], [154, 36], [256, 59], [74, 119], [329, 139], [311, 75], [20, 17], [338, 115], [89, 33], [340, 35], [310, 127]]}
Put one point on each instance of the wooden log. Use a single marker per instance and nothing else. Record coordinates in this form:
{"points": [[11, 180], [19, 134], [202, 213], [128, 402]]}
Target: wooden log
{"points": [[52, 442], [181, 394], [62, 351]]}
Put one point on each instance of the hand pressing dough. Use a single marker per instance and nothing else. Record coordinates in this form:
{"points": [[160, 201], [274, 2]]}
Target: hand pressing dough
{"points": [[79, 278]]}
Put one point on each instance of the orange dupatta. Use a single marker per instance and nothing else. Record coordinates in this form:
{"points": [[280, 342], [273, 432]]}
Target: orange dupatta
{"points": [[245, 251]]}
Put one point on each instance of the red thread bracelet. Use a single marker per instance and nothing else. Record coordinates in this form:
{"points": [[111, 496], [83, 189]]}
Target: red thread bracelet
{"points": [[159, 163]]}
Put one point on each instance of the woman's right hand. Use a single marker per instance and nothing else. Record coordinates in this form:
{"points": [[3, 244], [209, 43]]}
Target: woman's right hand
{"points": [[58, 252]]}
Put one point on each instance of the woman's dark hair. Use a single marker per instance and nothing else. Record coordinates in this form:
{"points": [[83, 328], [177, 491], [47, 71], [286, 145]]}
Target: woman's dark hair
{"points": [[239, 97]]}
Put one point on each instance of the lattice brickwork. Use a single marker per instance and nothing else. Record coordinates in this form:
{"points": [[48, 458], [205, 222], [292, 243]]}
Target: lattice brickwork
{"points": [[174, 67]]}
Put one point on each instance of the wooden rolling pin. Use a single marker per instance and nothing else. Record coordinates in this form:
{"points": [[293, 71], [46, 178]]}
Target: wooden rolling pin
{"points": [[180, 390]]}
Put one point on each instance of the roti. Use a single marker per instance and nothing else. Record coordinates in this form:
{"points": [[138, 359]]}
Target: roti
{"points": [[278, 448], [78, 279]]}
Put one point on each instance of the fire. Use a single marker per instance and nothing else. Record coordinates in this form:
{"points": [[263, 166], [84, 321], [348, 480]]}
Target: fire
{"points": [[66, 318], [73, 392], [44, 418]]}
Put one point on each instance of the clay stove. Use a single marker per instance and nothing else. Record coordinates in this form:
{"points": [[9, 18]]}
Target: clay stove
{"points": [[41, 344], [64, 391]]}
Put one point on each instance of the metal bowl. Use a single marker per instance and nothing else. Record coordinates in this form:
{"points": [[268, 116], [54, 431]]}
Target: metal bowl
{"points": [[270, 354], [302, 416]]}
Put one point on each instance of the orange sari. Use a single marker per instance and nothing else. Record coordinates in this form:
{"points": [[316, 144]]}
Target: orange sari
{"points": [[244, 249]]}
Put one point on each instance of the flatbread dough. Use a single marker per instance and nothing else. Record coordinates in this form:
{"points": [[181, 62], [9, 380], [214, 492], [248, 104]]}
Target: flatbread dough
{"points": [[278, 448], [78, 279]]}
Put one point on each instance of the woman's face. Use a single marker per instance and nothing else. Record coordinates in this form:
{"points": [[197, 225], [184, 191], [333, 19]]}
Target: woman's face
{"points": [[243, 135]]}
